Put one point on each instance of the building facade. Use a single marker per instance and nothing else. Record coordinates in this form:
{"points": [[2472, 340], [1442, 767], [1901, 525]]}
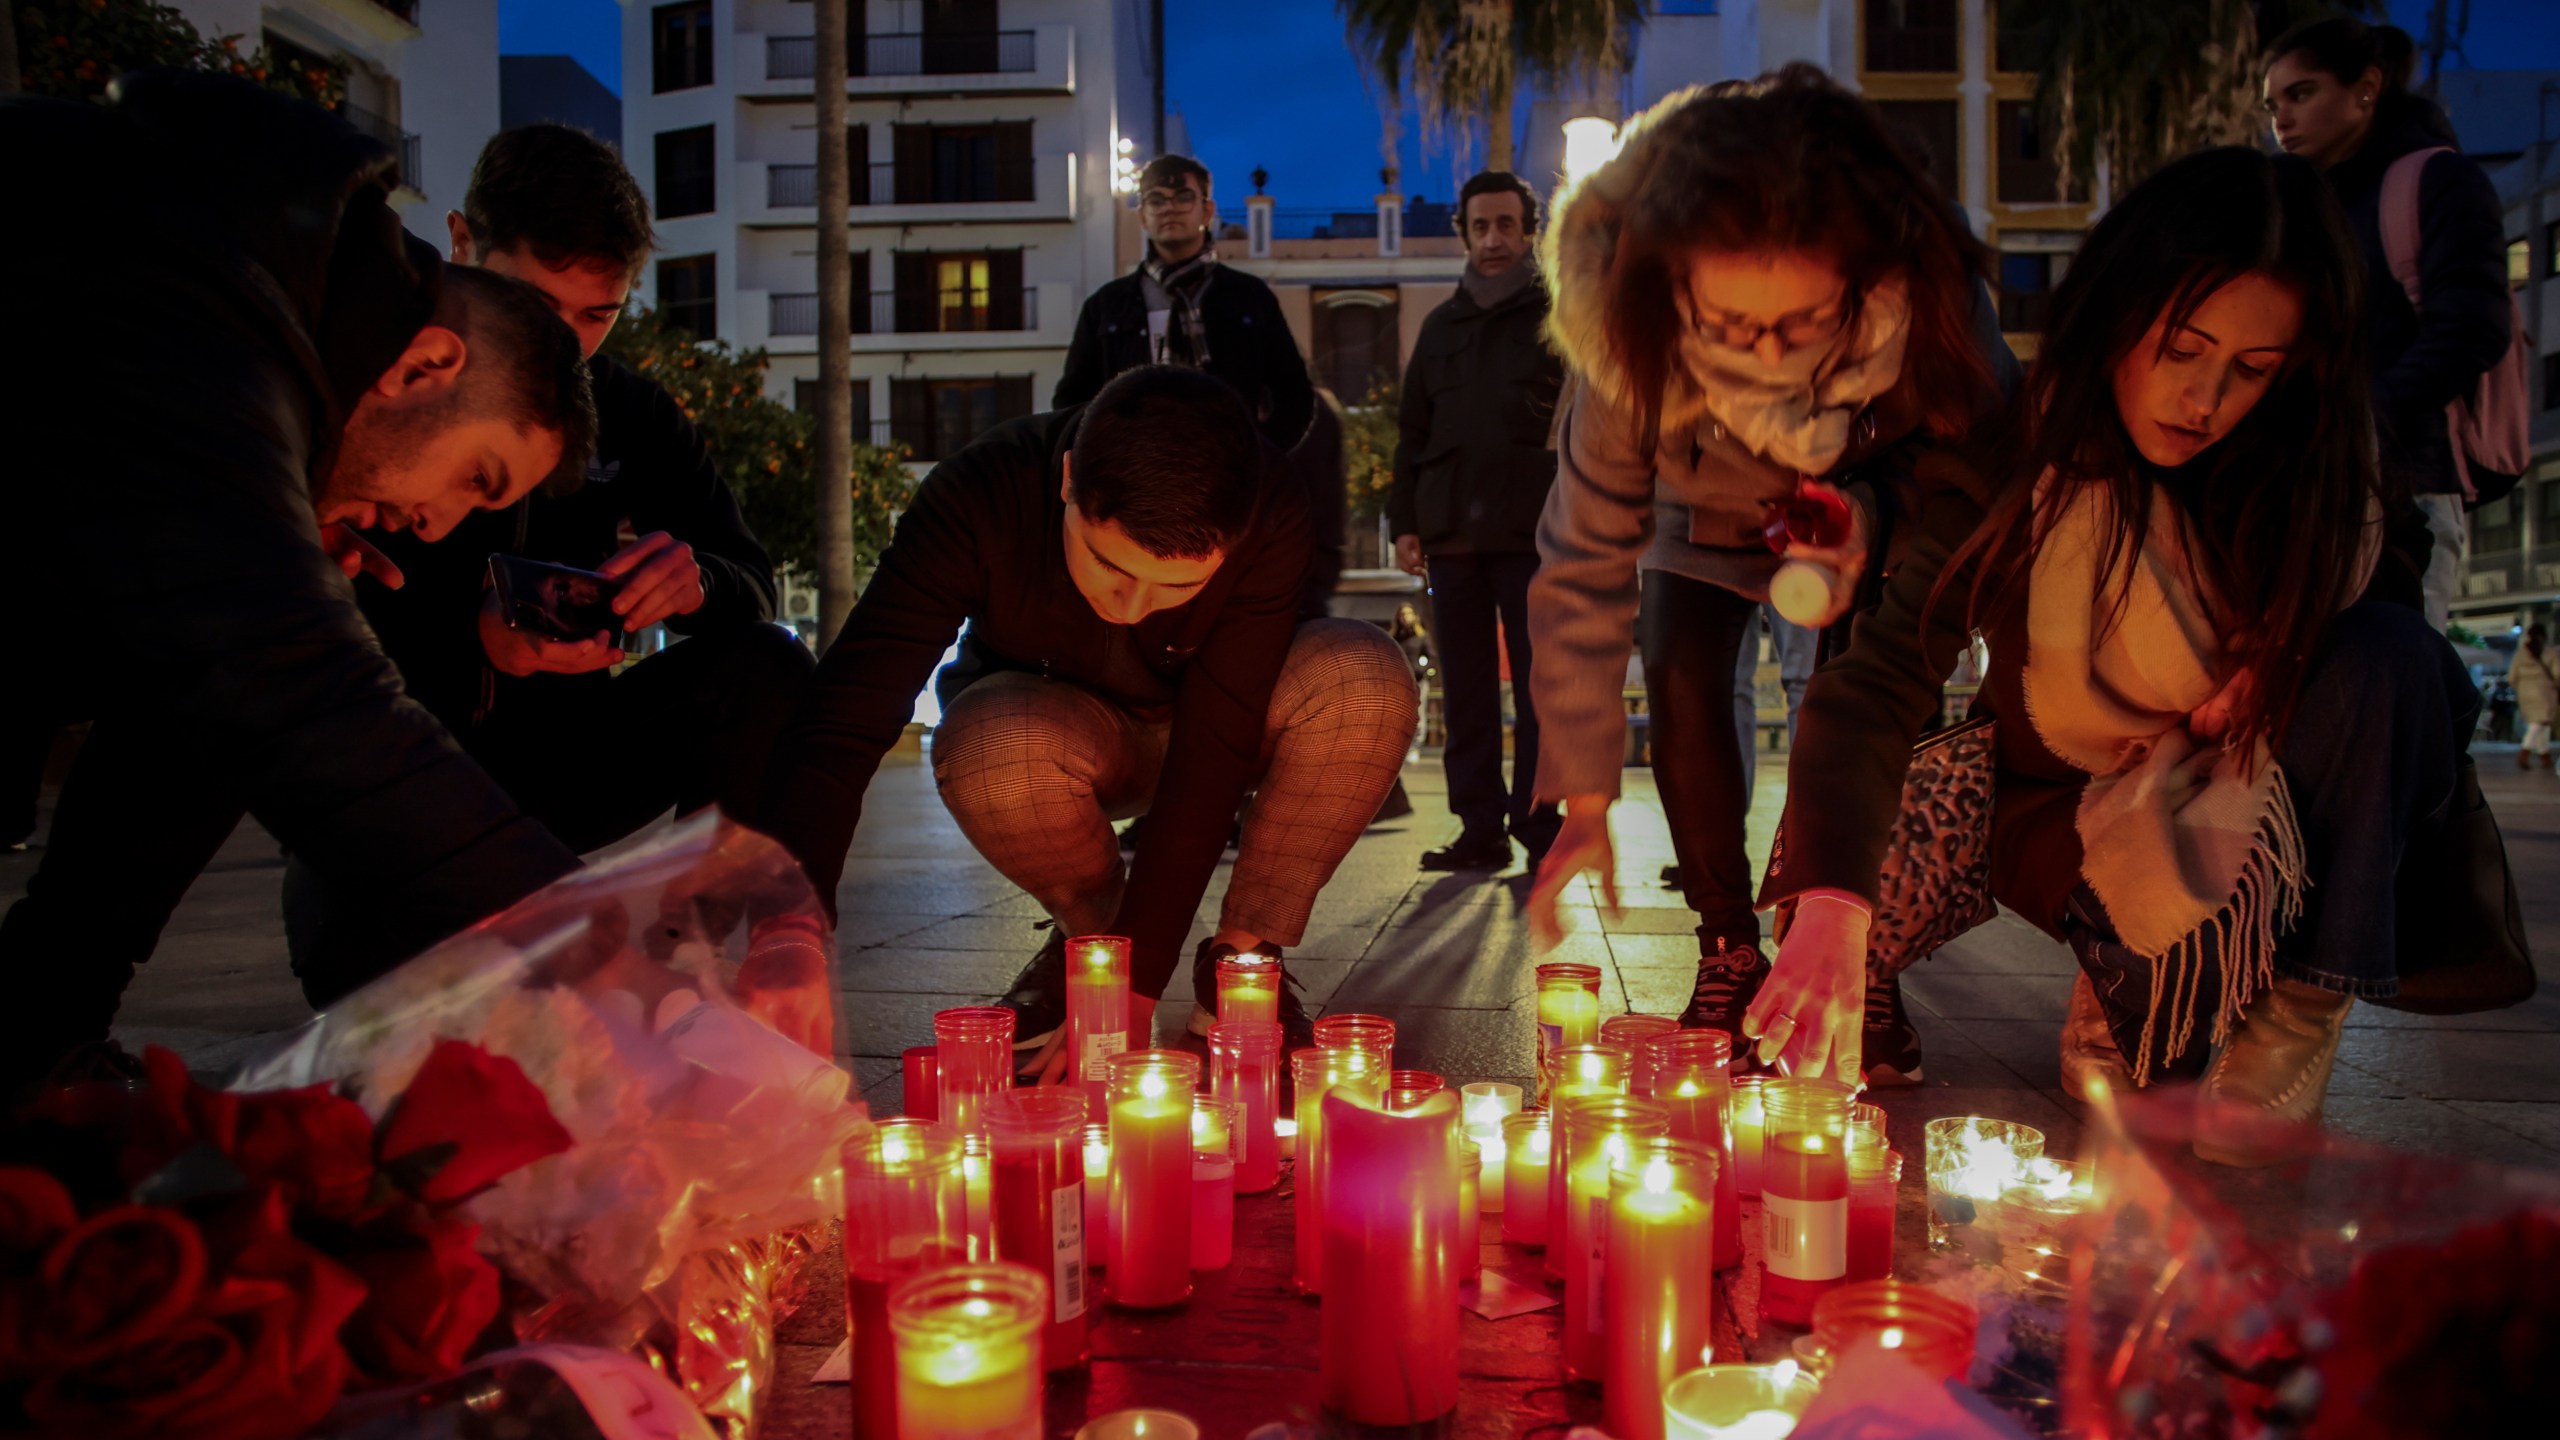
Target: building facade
{"points": [[421, 76], [983, 140], [2514, 576]]}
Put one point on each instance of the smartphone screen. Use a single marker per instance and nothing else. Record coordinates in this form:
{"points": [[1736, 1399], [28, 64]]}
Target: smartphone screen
{"points": [[557, 601]]}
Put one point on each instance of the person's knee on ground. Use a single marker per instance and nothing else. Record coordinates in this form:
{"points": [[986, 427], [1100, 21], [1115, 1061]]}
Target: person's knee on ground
{"points": [[1017, 761]]}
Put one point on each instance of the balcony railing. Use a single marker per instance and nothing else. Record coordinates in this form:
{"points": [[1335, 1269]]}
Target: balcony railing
{"points": [[388, 131], [1003, 52], [789, 187], [954, 313]]}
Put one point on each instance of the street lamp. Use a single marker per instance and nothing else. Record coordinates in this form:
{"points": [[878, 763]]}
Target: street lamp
{"points": [[1589, 143], [1124, 168]]}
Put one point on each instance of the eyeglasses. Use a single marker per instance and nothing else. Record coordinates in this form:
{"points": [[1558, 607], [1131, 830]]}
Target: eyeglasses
{"points": [[1794, 329], [1160, 200]]}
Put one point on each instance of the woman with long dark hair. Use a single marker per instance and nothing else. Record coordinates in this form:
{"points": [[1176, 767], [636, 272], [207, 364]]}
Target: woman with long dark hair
{"points": [[1764, 303], [2337, 94], [2208, 755]]}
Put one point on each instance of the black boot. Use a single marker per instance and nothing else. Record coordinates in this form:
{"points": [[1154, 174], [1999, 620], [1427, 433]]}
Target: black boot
{"points": [[1472, 850]]}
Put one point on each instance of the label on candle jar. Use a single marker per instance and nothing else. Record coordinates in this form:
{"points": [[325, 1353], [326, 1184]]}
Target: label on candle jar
{"points": [[1807, 1239], [1596, 1276], [1066, 1263], [1100, 1048]]}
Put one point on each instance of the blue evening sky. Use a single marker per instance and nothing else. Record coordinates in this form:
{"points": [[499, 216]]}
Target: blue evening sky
{"points": [[1273, 84]]}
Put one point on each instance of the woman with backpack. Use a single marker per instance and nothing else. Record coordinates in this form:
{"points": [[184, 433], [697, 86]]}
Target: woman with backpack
{"points": [[2207, 755], [2536, 678], [2337, 94], [1765, 306]]}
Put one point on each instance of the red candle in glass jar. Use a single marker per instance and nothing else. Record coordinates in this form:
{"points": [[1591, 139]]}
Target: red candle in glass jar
{"points": [[922, 1068], [1873, 1181], [1690, 1071], [974, 1060], [1389, 1353], [1038, 1135], [1151, 1094], [903, 1214], [1213, 1211], [1804, 1196], [1244, 1070]]}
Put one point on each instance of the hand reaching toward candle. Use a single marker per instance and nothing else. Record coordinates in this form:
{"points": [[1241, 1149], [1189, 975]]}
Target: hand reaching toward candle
{"points": [[1581, 845], [1810, 1012], [1049, 1067]]}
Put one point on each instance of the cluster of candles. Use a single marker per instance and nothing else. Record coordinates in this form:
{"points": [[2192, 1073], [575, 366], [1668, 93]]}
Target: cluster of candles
{"points": [[1997, 1199], [974, 1229]]}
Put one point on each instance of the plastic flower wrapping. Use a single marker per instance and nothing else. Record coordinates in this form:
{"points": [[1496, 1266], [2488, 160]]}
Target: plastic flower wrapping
{"points": [[673, 1001], [2351, 1293]]}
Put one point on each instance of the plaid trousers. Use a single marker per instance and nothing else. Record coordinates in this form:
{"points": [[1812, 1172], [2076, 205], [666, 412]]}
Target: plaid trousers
{"points": [[1035, 770]]}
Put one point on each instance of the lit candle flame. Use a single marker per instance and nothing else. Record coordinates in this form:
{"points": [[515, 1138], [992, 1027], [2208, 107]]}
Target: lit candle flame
{"points": [[1657, 1176], [1891, 1339], [1592, 1068], [1151, 1085]]}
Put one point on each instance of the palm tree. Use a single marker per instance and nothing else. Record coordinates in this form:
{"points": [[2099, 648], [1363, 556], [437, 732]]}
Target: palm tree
{"points": [[1462, 60], [2142, 82]]}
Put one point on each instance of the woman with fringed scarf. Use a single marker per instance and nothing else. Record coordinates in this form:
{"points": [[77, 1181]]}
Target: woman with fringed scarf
{"points": [[2210, 752], [1761, 299]]}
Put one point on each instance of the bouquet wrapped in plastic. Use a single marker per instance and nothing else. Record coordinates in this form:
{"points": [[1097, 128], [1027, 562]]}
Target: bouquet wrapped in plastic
{"points": [[673, 1003], [2353, 1292]]}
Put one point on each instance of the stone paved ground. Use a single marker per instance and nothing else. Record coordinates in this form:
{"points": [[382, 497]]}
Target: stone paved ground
{"points": [[927, 924]]}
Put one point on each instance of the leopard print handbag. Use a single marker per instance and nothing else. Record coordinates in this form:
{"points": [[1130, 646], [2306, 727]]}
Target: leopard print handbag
{"points": [[1936, 881]]}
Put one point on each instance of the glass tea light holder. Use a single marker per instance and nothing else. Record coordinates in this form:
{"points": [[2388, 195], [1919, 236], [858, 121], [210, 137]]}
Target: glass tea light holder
{"points": [[1657, 1310], [1140, 1425], [1038, 1135], [1244, 1071], [1931, 1330], [1151, 1094], [1483, 1107], [1750, 1131], [1249, 989], [1315, 1074], [1097, 1194], [1097, 1009], [1600, 1132], [905, 1212], [1375, 1034], [974, 1046], [2030, 1219], [968, 1352], [1738, 1402], [1213, 1125], [1389, 1220], [1408, 1088], [1586, 1070], [1804, 1196], [1969, 1162], [1875, 1178], [1470, 1213], [1213, 1211], [1488, 1102], [1628, 1033], [1568, 1010], [1691, 1072], [1526, 1144]]}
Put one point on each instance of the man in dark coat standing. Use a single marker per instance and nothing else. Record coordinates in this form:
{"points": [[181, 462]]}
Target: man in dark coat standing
{"points": [[1181, 307], [1472, 471], [226, 356]]}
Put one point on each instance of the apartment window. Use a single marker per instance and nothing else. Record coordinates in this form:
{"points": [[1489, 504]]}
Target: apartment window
{"points": [[963, 164], [689, 293], [1911, 36], [685, 172], [1355, 339], [2026, 290], [946, 292], [680, 46], [2546, 510], [2494, 526], [936, 419], [2519, 262], [804, 398], [2028, 171], [1930, 127]]}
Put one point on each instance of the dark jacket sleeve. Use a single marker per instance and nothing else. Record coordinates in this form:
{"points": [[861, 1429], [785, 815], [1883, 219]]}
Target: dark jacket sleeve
{"points": [[675, 488], [1863, 711], [1284, 370], [1088, 368], [927, 583], [2465, 314], [1216, 748], [1413, 433]]}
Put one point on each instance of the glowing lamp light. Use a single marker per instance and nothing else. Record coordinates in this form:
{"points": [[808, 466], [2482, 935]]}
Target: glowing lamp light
{"points": [[1589, 143]]}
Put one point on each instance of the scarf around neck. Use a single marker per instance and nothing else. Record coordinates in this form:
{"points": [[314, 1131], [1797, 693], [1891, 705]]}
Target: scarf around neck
{"points": [[1491, 290], [1186, 340], [2194, 848], [1800, 421]]}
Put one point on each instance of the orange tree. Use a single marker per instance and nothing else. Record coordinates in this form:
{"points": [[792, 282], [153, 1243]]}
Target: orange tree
{"points": [[72, 48]]}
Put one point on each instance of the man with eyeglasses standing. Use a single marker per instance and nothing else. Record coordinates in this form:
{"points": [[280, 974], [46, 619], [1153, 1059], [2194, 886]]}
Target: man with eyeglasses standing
{"points": [[1181, 307], [1472, 471]]}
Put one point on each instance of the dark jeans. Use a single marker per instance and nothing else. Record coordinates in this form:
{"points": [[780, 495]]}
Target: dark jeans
{"points": [[2370, 757], [1467, 593], [1692, 634], [596, 759]]}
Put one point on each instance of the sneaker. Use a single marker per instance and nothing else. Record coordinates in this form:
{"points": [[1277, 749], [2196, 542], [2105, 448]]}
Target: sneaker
{"points": [[1482, 850], [1297, 1027], [1890, 1048], [1727, 981], [1038, 995]]}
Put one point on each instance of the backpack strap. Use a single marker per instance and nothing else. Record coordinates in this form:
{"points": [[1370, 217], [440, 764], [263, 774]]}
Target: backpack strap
{"points": [[2399, 216]]}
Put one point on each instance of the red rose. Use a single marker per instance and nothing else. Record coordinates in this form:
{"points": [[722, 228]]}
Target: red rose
{"points": [[316, 1145], [34, 1211], [256, 1356], [467, 1119], [427, 1299], [114, 1281]]}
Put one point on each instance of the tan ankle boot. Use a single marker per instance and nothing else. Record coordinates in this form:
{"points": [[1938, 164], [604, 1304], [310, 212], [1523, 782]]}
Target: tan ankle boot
{"points": [[2089, 1050], [2263, 1094]]}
